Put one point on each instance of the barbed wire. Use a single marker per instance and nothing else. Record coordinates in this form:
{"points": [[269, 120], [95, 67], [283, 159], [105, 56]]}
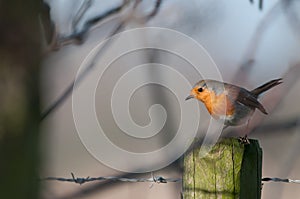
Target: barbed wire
{"points": [[153, 179], [286, 180]]}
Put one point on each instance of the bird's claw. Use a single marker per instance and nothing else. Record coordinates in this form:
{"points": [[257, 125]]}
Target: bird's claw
{"points": [[244, 140]]}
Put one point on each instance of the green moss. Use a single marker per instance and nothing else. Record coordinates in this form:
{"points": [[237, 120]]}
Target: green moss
{"points": [[217, 175]]}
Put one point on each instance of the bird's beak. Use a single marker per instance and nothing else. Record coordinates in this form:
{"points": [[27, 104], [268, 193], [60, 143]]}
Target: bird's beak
{"points": [[189, 97]]}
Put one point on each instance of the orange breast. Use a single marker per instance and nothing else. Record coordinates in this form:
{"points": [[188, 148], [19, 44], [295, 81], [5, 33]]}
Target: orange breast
{"points": [[216, 104]]}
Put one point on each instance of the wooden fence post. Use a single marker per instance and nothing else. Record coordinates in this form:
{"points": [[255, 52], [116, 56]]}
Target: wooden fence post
{"points": [[19, 99], [229, 170]]}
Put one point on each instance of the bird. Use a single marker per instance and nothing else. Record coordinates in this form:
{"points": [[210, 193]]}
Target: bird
{"points": [[232, 103]]}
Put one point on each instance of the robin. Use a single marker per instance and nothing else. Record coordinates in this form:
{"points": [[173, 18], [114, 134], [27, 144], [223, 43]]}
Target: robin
{"points": [[234, 104]]}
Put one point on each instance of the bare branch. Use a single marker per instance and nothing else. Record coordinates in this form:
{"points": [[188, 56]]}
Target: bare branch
{"points": [[77, 37], [47, 25], [152, 14], [82, 10], [292, 13], [274, 98], [260, 5], [249, 57], [82, 75], [154, 11]]}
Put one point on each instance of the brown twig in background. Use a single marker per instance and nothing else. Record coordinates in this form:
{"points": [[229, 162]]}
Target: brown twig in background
{"points": [[274, 98], [255, 41], [292, 14], [47, 25], [149, 16], [104, 47], [260, 4], [154, 11], [82, 10], [249, 57], [81, 76], [77, 37]]}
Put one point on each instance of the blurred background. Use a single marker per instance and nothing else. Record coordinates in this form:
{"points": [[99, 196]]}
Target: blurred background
{"points": [[250, 44]]}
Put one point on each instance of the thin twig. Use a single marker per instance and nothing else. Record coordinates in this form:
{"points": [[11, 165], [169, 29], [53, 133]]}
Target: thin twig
{"points": [[274, 98], [291, 12], [82, 10], [47, 25], [248, 59], [150, 15], [77, 37], [260, 5], [81, 76], [154, 11]]}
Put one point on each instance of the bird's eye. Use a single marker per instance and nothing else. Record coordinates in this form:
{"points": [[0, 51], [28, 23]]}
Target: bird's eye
{"points": [[200, 89]]}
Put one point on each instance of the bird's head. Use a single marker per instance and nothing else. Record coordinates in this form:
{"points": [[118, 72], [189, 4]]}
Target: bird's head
{"points": [[200, 91]]}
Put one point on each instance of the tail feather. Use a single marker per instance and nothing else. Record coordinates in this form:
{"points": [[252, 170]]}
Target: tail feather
{"points": [[266, 87]]}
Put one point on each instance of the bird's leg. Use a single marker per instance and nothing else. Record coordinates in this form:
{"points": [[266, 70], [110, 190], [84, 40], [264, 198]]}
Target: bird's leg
{"points": [[244, 139]]}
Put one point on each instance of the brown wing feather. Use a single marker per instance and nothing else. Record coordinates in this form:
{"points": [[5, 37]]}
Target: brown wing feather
{"points": [[250, 100]]}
